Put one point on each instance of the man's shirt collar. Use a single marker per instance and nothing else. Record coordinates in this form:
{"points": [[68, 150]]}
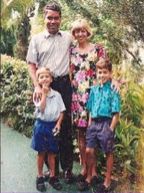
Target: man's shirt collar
{"points": [[47, 34]]}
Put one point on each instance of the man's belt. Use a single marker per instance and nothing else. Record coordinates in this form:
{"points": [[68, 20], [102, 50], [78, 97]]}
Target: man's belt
{"points": [[61, 78]]}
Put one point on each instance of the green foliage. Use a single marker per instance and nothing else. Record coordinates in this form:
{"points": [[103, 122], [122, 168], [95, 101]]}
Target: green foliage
{"points": [[22, 35], [16, 99], [130, 127], [15, 15], [129, 13], [127, 136], [7, 41]]}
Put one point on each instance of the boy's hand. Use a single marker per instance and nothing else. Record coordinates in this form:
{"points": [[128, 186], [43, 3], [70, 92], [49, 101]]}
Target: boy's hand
{"points": [[45, 88], [56, 131]]}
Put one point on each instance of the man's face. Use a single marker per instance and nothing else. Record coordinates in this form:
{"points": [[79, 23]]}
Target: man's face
{"points": [[103, 75], [52, 21]]}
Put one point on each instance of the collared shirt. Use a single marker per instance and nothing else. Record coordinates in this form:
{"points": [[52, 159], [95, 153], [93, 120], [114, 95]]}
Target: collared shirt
{"points": [[54, 106], [103, 101], [51, 51]]}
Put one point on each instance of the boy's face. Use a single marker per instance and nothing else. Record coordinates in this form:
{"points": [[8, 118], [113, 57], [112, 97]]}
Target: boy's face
{"points": [[103, 75], [44, 79]]}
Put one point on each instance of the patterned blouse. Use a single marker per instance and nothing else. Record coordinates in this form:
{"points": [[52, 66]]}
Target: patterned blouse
{"points": [[83, 75]]}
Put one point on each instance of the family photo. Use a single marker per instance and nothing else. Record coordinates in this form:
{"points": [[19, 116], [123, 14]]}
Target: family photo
{"points": [[72, 92]]}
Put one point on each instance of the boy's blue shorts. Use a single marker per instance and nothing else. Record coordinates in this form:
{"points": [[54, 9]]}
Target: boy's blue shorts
{"points": [[43, 139], [100, 135]]}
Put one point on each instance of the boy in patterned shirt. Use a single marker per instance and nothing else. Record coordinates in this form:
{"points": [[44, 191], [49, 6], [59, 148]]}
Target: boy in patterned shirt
{"points": [[104, 107]]}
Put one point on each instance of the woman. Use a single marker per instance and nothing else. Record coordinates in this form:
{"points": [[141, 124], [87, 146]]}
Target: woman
{"points": [[84, 56]]}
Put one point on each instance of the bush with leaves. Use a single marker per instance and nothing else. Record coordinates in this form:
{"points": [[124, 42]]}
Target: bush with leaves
{"points": [[16, 98], [130, 128]]}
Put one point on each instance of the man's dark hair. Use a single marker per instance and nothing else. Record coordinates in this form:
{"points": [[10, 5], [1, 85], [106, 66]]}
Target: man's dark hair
{"points": [[52, 5]]}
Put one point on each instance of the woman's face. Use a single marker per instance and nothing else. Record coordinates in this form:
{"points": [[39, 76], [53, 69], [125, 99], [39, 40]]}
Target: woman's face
{"points": [[81, 35]]}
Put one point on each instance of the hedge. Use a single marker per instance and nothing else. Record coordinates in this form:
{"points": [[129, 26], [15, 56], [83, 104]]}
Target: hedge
{"points": [[16, 98]]}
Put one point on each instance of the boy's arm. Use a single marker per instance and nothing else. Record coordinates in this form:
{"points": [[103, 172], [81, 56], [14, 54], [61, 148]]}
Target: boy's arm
{"points": [[59, 122], [89, 120], [42, 104], [114, 121]]}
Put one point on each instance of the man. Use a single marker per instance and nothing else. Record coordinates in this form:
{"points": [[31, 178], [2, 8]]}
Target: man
{"points": [[50, 48]]}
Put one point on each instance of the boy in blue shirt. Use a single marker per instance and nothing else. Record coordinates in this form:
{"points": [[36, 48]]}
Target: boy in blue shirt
{"points": [[49, 115], [104, 107]]}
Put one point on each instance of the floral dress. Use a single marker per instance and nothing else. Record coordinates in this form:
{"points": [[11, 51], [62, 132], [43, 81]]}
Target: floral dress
{"points": [[83, 75]]}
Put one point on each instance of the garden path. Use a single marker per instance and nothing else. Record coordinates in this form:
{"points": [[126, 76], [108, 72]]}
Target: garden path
{"points": [[18, 165]]}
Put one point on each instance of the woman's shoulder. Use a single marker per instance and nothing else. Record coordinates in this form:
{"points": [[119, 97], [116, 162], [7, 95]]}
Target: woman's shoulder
{"points": [[73, 48]]}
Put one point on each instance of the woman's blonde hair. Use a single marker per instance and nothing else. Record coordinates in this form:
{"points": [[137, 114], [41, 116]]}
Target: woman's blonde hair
{"points": [[43, 70], [81, 24]]}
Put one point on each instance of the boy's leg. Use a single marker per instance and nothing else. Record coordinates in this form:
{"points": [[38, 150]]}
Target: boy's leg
{"points": [[90, 160], [40, 179], [53, 180], [51, 162], [40, 163], [109, 166], [94, 167]]}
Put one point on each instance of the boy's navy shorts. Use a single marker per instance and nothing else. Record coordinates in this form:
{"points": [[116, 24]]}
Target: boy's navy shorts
{"points": [[100, 135], [43, 139]]}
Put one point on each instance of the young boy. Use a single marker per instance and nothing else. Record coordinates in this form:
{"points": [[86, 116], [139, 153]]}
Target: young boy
{"points": [[49, 116], [104, 107]]}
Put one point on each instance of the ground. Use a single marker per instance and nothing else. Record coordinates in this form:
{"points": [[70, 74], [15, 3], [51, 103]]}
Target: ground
{"points": [[18, 164], [18, 167]]}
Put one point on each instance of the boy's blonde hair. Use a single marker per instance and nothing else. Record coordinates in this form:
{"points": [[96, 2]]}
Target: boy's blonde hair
{"points": [[104, 63], [81, 24], [43, 70]]}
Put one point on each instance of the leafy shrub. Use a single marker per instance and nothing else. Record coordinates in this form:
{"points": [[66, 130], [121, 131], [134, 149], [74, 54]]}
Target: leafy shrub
{"points": [[16, 98], [130, 127], [17, 110]]}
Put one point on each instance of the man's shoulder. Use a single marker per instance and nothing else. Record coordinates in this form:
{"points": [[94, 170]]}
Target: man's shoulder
{"points": [[66, 34], [38, 36]]}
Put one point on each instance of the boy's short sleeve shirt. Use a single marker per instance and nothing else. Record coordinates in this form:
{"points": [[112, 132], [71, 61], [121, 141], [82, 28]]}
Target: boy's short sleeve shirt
{"points": [[103, 101], [54, 106]]}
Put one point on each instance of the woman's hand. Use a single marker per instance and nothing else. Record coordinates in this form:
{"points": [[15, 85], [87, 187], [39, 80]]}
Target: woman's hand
{"points": [[116, 85]]}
